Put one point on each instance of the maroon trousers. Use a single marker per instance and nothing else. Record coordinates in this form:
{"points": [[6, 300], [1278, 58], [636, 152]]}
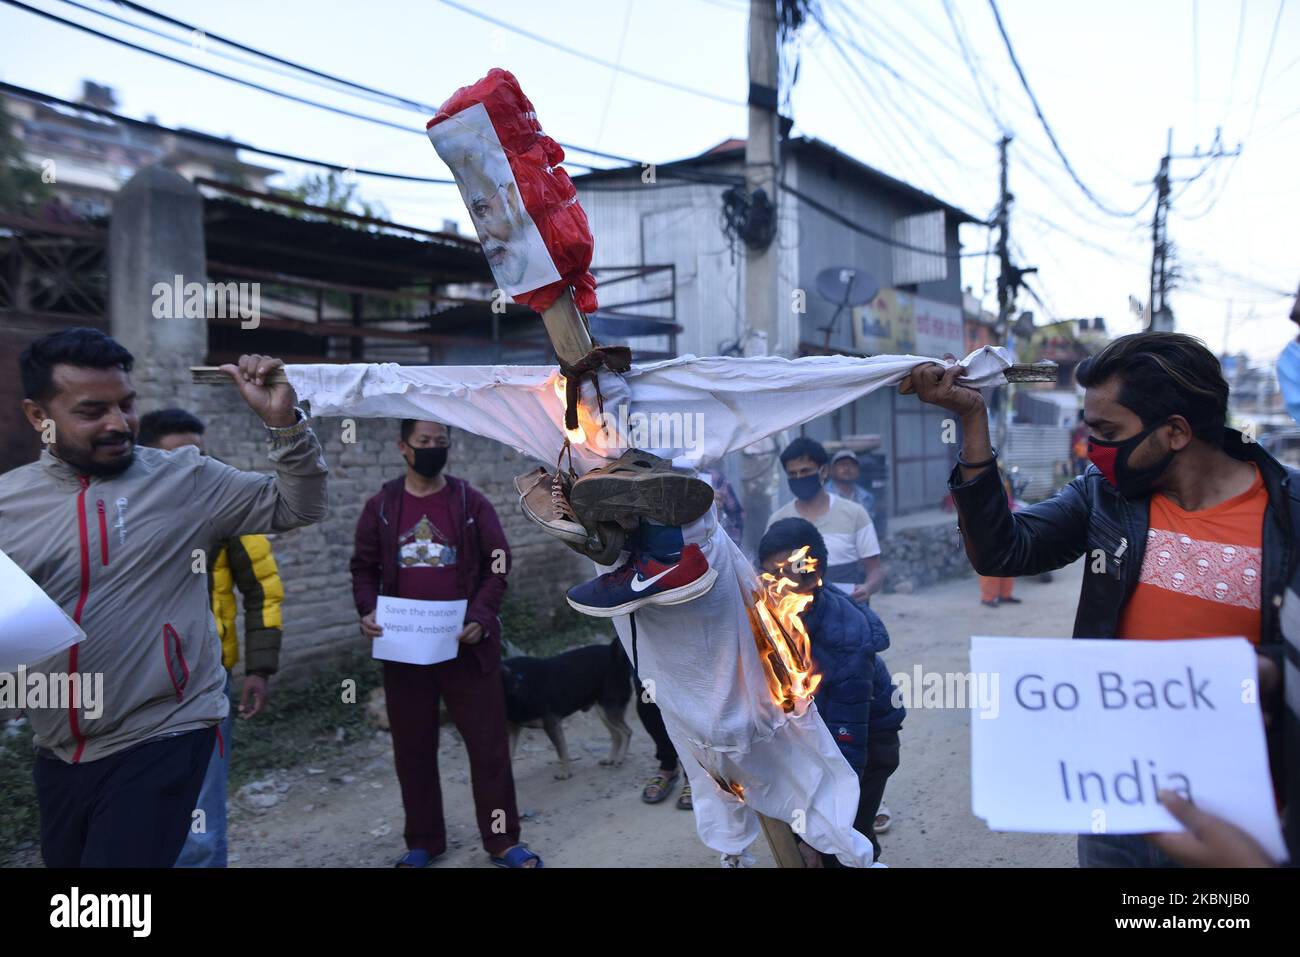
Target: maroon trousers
{"points": [[476, 704]]}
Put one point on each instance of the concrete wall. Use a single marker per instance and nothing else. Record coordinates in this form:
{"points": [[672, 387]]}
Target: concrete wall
{"points": [[922, 549]]}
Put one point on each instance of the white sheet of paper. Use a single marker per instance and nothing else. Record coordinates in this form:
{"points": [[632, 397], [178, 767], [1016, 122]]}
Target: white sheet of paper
{"points": [[32, 626], [1077, 735], [846, 587], [418, 632]]}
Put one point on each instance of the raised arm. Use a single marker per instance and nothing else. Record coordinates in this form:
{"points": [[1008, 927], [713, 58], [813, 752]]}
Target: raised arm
{"points": [[243, 503], [998, 542]]}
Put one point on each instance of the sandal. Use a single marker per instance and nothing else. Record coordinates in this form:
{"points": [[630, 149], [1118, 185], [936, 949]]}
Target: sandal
{"points": [[415, 858], [684, 801], [883, 820], [517, 856], [659, 787]]}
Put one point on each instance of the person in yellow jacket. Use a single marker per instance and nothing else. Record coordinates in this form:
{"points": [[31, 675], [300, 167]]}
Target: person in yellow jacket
{"points": [[245, 562]]}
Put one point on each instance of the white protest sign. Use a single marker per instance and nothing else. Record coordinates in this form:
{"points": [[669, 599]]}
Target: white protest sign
{"points": [[32, 626], [418, 632], [1083, 734]]}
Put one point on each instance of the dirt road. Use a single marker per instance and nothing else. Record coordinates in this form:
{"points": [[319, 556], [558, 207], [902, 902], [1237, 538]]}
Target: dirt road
{"points": [[349, 812]]}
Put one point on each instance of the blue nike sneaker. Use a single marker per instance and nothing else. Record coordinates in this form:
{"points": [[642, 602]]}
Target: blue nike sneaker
{"points": [[643, 580]]}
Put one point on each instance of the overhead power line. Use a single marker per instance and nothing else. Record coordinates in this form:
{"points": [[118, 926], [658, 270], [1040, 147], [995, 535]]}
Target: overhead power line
{"points": [[211, 138], [873, 96], [1038, 110], [584, 55], [857, 227], [968, 56], [235, 44], [688, 176], [210, 72], [1254, 113], [280, 93]]}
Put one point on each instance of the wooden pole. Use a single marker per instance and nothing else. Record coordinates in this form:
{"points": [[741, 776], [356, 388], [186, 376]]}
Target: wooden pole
{"points": [[780, 838], [567, 329], [212, 375]]}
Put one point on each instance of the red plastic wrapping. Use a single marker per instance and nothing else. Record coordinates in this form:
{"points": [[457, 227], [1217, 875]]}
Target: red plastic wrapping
{"points": [[547, 191]]}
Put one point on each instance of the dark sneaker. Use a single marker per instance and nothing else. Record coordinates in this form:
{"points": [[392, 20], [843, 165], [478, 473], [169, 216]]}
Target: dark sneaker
{"points": [[543, 499], [640, 485], [642, 580], [603, 546]]}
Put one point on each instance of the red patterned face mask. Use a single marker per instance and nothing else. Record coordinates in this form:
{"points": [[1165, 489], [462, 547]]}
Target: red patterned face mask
{"points": [[1112, 459]]}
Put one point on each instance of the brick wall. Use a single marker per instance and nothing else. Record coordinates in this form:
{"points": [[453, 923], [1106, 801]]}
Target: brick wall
{"points": [[320, 621]]}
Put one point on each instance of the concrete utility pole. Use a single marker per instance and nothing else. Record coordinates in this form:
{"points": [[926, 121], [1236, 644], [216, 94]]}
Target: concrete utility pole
{"points": [[1160, 316], [761, 165], [1007, 282], [762, 303]]}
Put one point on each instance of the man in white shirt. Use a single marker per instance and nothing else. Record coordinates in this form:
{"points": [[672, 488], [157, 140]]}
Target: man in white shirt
{"points": [[853, 561]]}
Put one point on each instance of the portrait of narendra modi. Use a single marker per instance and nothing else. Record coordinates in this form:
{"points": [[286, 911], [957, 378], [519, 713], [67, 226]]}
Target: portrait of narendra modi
{"points": [[468, 144]]}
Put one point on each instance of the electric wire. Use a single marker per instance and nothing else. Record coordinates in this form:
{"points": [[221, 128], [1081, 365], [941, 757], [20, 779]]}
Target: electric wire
{"points": [[1069, 168]]}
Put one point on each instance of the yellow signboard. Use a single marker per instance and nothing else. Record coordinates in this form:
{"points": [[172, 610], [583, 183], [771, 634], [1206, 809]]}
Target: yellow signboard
{"points": [[899, 323]]}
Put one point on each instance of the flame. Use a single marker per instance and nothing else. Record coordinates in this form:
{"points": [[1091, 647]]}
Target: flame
{"points": [[576, 436], [783, 643]]}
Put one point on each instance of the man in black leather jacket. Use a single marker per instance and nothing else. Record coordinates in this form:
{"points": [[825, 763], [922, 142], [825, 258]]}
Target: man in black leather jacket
{"points": [[1156, 407]]}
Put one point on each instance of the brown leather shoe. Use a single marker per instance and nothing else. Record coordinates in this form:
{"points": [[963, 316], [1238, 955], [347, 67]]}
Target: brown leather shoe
{"points": [[543, 499], [639, 485]]}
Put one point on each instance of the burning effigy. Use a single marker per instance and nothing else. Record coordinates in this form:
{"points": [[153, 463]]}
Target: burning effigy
{"points": [[730, 668], [783, 643]]}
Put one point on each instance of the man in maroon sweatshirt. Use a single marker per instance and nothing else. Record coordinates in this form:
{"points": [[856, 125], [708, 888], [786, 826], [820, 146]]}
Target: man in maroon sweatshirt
{"points": [[432, 537]]}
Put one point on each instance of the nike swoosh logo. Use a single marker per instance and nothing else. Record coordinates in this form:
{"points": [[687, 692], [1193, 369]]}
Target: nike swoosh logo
{"points": [[641, 584]]}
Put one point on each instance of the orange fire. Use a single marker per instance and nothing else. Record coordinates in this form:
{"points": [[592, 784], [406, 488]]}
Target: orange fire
{"points": [[783, 643], [576, 436]]}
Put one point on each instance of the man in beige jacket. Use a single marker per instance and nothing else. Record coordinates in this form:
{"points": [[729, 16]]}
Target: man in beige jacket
{"points": [[120, 537]]}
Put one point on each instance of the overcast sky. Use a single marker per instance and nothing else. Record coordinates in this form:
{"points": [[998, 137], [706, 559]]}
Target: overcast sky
{"points": [[1112, 78]]}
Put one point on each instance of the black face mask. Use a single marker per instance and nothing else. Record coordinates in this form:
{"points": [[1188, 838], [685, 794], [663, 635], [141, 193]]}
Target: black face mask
{"points": [[429, 461], [806, 488], [1112, 458]]}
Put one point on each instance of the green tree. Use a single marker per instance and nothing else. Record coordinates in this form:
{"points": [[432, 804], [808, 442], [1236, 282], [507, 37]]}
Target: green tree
{"points": [[331, 191], [21, 188]]}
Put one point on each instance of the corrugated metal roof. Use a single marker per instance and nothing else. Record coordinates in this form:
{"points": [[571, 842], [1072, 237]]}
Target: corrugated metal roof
{"points": [[732, 149]]}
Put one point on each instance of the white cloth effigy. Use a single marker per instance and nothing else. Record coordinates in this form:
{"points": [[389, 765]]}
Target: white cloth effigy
{"points": [[701, 656]]}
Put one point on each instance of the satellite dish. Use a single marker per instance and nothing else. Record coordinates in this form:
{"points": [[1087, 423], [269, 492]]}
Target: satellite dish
{"points": [[847, 286], [844, 286]]}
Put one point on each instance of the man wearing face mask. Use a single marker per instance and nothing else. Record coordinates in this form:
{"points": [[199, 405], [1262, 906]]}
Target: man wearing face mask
{"points": [[431, 537], [854, 564], [1189, 530]]}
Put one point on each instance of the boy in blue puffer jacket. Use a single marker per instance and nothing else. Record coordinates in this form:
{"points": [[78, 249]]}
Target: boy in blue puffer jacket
{"points": [[855, 695]]}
